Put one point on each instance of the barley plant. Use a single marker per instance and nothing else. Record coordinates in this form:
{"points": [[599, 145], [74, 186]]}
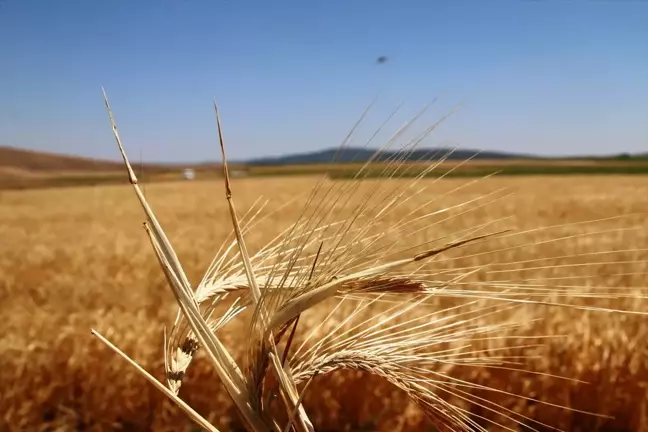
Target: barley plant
{"points": [[440, 314]]}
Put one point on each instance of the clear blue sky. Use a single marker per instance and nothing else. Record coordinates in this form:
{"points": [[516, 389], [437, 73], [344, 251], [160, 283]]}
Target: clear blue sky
{"points": [[548, 77]]}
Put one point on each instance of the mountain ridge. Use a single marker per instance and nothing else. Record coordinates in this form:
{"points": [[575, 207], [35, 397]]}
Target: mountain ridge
{"points": [[359, 154]]}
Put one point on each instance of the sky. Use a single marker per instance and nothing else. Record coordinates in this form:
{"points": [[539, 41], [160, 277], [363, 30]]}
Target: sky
{"points": [[543, 77]]}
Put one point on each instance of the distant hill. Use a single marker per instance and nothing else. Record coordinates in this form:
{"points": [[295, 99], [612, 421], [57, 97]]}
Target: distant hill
{"points": [[30, 160], [356, 154], [21, 168]]}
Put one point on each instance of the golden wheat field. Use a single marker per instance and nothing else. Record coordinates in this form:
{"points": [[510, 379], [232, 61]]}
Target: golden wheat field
{"points": [[72, 259]]}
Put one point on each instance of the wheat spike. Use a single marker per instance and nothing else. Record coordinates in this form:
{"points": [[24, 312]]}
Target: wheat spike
{"points": [[412, 301]]}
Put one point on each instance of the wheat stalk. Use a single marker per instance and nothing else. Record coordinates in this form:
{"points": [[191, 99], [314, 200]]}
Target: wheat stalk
{"points": [[348, 246]]}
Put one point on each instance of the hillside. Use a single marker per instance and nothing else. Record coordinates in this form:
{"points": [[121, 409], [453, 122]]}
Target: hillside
{"points": [[34, 161], [21, 168]]}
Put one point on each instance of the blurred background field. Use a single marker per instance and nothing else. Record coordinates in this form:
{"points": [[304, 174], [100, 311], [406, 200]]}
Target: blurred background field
{"points": [[77, 258]]}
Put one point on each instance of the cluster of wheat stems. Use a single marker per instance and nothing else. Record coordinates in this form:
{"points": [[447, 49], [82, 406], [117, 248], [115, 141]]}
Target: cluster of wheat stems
{"points": [[347, 248]]}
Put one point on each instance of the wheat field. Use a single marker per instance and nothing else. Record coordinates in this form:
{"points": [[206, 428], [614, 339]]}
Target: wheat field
{"points": [[72, 259]]}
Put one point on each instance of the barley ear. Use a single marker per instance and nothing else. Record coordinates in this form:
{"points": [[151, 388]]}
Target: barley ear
{"points": [[310, 298]]}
